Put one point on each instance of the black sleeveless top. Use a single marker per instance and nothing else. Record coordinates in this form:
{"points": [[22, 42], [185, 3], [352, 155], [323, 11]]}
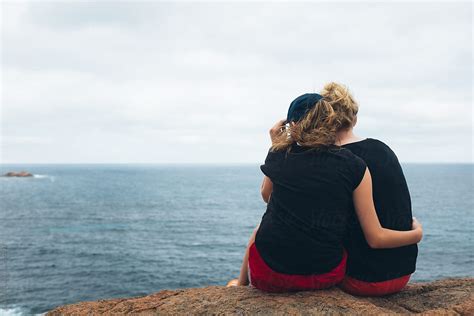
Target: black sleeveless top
{"points": [[303, 227], [393, 205]]}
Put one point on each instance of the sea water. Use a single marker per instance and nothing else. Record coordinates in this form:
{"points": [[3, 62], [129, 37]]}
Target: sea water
{"points": [[86, 232]]}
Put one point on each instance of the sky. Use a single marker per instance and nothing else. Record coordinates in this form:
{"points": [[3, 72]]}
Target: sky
{"points": [[194, 82]]}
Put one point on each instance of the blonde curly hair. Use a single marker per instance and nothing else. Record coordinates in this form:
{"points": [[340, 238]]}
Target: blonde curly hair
{"points": [[336, 111]]}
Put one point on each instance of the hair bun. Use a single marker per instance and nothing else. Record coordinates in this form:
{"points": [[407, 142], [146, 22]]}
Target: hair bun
{"points": [[340, 97]]}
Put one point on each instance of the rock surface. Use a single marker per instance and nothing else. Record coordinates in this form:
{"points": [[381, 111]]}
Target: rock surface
{"points": [[445, 297], [18, 174]]}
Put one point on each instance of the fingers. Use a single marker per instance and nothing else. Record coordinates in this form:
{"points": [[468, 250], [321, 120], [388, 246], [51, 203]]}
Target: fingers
{"points": [[278, 125], [415, 224], [281, 122], [277, 128]]}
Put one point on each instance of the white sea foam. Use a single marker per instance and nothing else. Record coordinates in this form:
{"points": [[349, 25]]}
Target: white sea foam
{"points": [[10, 311], [35, 176], [16, 311], [43, 176]]}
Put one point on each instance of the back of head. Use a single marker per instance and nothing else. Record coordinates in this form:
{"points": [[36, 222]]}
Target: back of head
{"points": [[335, 111], [342, 102]]}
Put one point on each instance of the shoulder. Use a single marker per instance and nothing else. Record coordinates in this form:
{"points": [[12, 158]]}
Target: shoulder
{"points": [[345, 153], [354, 167], [273, 163], [377, 144], [379, 148], [371, 150], [350, 158]]}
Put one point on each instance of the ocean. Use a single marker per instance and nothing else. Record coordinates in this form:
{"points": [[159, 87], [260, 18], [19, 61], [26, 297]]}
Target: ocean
{"points": [[87, 232]]}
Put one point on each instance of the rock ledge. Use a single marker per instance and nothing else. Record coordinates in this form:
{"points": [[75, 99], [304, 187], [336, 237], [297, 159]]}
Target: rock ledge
{"points": [[445, 297]]}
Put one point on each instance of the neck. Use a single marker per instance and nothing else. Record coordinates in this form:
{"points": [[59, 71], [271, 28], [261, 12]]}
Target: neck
{"points": [[346, 136]]}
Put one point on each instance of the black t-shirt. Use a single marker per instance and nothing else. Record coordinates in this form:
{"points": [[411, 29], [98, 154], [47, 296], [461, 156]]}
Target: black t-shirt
{"points": [[303, 227], [393, 206]]}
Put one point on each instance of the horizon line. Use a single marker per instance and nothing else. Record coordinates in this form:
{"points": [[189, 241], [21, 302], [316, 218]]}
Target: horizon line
{"points": [[201, 163]]}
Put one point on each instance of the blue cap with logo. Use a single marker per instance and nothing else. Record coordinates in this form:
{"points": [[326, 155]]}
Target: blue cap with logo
{"points": [[301, 105]]}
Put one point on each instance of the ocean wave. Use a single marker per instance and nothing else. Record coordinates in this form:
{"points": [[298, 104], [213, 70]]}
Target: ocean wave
{"points": [[40, 176], [35, 177], [43, 176], [16, 311]]}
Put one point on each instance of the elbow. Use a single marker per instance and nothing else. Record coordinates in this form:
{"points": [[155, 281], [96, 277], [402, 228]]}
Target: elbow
{"points": [[375, 242], [265, 196]]}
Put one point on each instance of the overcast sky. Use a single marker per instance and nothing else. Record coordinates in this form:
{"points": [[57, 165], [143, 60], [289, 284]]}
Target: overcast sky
{"points": [[119, 82]]}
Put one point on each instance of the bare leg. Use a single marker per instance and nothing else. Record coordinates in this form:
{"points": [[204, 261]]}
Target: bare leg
{"points": [[244, 270]]}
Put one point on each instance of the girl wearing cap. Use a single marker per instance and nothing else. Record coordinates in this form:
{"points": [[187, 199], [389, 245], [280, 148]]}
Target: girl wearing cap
{"points": [[313, 186]]}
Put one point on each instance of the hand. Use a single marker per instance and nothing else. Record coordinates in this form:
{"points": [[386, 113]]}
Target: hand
{"points": [[277, 129], [416, 225]]}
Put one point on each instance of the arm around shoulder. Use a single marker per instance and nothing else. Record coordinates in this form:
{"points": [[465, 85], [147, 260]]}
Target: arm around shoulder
{"points": [[375, 234]]}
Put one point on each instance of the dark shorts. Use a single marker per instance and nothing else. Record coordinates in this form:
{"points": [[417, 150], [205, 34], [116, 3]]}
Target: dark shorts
{"points": [[264, 278]]}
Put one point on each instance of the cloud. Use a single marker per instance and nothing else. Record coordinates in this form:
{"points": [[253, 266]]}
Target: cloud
{"points": [[194, 82]]}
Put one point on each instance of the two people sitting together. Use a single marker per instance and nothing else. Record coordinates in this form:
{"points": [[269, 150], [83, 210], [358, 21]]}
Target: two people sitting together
{"points": [[338, 206]]}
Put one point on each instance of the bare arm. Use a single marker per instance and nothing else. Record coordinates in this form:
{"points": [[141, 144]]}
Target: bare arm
{"points": [[375, 234], [266, 189]]}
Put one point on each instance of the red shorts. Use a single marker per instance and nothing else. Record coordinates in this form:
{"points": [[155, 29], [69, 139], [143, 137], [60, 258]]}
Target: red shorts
{"points": [[264, 278], [361, 288]]}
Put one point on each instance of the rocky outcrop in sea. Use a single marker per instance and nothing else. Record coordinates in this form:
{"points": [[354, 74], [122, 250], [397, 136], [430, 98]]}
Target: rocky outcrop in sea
{"points": [[18, 174]]}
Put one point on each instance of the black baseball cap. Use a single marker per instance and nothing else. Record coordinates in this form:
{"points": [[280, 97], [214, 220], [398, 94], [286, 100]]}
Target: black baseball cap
{"points": [[301, 105]]}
